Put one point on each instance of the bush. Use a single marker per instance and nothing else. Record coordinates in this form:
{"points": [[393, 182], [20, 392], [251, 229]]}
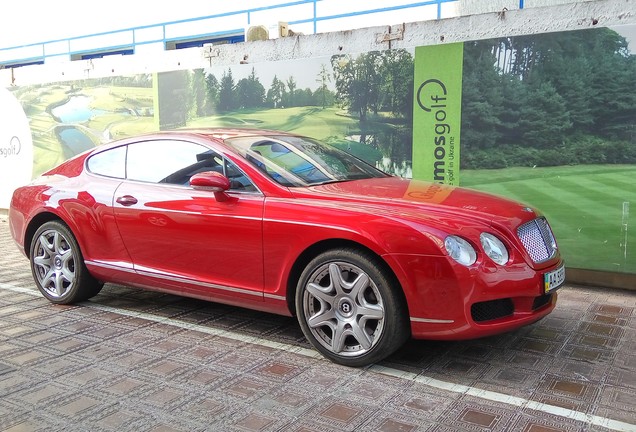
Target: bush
{"points": [[489, 159], [522, 156], [576, 150]]}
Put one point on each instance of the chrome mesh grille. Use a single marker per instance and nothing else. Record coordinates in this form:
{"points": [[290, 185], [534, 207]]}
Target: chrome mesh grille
{"points": [[536, 236]]}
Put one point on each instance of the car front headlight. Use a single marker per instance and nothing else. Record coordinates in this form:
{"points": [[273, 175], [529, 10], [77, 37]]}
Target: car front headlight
{"points": [[460, 250], [494, 248]]}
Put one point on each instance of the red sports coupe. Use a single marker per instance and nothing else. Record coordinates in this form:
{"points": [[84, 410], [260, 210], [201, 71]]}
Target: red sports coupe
{"points": [[285, 224]]}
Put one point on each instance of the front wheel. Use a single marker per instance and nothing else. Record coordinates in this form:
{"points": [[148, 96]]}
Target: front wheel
{"points": [[58, 267], [350, 309]]}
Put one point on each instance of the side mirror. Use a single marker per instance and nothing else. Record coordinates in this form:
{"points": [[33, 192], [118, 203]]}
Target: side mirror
{"points": [[213, 182]]}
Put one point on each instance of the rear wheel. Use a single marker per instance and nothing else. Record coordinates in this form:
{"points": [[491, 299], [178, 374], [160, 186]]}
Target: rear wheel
{"points": [[58, 267], [349, 309]]}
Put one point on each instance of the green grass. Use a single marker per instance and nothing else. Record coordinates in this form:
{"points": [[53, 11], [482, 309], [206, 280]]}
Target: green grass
{"points": [[310, 121], [584, 204]]}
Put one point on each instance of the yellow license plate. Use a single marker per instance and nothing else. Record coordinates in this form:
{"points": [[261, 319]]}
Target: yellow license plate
{"points": [[554, 279]]}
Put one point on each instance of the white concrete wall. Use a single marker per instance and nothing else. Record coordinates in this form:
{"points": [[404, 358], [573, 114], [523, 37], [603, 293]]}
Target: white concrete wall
{"points": [[472, 7]]}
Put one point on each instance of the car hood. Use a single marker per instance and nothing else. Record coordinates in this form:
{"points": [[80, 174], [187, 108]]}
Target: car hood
{"points": [[423, 198]]}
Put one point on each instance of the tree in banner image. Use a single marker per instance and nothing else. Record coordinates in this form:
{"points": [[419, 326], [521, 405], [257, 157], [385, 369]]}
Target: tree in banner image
{"points": [[396, 94], [514, 95], [291, 93], [199, 93], [250, 92], [227, 100], [481, 97], [544, 119], [358, 82], [212, 88], [276, 93], [613, 87], [323, 79]]}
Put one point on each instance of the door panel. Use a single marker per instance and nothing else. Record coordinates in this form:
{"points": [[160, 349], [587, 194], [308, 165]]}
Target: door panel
{"points": [[177, 234]]}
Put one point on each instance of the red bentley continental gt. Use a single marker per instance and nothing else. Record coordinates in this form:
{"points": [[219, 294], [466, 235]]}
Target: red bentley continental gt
{"points": [[284, 224]]}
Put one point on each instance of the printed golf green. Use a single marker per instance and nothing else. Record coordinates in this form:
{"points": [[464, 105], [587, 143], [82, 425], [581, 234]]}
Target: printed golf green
{"points": [[588, 207]]}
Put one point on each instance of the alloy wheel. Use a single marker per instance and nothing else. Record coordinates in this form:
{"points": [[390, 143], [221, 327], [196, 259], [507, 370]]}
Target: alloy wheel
{"points": [[54, 263], [343, 308]]}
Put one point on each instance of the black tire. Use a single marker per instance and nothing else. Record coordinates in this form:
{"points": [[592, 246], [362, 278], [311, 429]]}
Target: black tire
{"points": [[58, 266], [358, 320]]}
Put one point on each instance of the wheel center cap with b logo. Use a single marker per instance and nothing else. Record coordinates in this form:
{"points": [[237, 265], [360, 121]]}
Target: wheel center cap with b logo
{"points": [[345, 307]]}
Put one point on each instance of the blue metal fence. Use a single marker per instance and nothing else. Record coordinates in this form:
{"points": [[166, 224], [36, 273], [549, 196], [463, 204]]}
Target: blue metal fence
{"points": [[35, 53]]}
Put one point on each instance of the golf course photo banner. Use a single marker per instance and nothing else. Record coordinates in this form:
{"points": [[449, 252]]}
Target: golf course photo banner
{"points": [[546, 119]]}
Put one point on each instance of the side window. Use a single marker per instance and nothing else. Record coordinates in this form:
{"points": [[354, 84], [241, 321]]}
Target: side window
{"points": [[172, 162], [110, 163], [238, 180]]}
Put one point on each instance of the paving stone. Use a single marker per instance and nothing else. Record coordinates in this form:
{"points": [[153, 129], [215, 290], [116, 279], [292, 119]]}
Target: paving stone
{"points": [[97, 366]]}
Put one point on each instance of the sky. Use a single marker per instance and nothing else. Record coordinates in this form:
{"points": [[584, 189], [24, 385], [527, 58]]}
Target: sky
{"points": [[629, 33], [304, 71], [25, 22]]}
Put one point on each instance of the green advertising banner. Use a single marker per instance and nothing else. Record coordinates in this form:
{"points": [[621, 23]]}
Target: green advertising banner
{"points": [[437, 107]]}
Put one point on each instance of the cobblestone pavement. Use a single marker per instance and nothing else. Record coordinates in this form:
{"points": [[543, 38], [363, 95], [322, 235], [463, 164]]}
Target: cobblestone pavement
{"points": [[143, 361]]}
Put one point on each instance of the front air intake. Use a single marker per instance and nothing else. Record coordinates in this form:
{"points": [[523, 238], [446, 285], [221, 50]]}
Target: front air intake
{"points": [[490, 310]]}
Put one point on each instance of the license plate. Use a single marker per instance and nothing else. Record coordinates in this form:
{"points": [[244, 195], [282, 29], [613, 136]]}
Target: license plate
{"points": [[554, 279]]}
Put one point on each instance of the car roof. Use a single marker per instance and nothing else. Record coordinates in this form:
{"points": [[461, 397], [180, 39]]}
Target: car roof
{"points": [[208, 133], [218, 133]]}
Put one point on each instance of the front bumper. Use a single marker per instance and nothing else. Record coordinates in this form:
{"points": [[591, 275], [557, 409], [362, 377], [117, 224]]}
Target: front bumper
{"points": [[488, 318], [451, 302]]}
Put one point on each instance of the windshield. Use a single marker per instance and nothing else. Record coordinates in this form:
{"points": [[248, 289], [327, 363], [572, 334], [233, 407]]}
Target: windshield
{"points": [[299, 161]]}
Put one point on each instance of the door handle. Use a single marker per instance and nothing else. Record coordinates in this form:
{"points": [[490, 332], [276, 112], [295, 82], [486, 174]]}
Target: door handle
{"points": [[127, 200]]}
